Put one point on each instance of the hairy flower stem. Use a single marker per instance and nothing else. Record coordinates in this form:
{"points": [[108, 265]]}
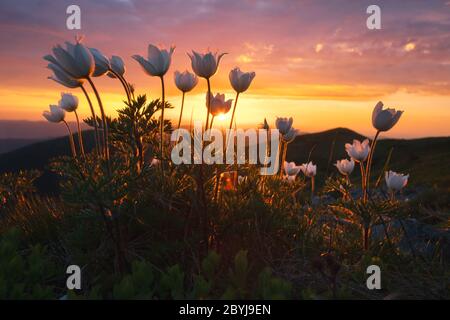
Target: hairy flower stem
{"points": [[161, 131], [181, 111], [313, 184], [72, 143], [234, 110], [208, 103], [94, 119], [124, 84], [363, 180], [212, 120], [80, 136], [369, 165], [283, 151], [104, 125]]}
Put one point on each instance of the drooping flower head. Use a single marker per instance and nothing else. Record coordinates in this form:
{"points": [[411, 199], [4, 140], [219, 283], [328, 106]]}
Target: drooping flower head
{"points": [[185, 81], [345, 166], [102, 65], [240, 81], [395, 181], [56, 114], [158, 61], [384, 120], [117, 65], [358, 151], [205, 64]]}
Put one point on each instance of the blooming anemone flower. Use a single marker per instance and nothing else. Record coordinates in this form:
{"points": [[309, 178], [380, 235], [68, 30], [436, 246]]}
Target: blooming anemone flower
{"points": [[345, 166], [240, 81], [76, 60], [358, 151], [395, 181], [56, 114], [185, 81], [291, 169], [218, 104], [102, 65], [68, 102], [205, 64], [158, 61], [60, 76], [309, 169], [284, 125], [117, 66], [290, 136], [384, 120]]}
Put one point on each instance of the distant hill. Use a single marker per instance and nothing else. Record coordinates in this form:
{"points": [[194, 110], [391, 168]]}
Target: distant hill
{"points": [[7, 145], [35, 130], [37, 155], [426, 160]]}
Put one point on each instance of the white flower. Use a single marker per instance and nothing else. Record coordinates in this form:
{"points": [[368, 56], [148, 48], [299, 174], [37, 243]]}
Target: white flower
{"points": [[205, 64], [345, 167], [185, 81], [358, 151], [284, 124], [76, 60], [240, 81], [290, 136], [68, 102], [117, 66], [384, 120], [291, 169], [218, 105], [395, 181], [56, 114], [158, 60], [60, 76], [102, 65], [309, 169]]}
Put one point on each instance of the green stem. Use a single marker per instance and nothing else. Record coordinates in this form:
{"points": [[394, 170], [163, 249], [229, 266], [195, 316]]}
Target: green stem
{"points": [[212, 120], [161, 131], [72, 144], [123, 82], [104, 125], [94, 119], [363, 180], [80, 136], [369, 163], [234, 110], [208, 103], [181, 111]]}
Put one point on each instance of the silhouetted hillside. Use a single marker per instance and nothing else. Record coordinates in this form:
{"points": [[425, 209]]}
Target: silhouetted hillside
{"points": [[426, 160], [8, 145]]}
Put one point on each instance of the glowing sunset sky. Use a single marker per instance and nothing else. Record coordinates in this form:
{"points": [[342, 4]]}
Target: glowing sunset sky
{"points": [[314, 60]]}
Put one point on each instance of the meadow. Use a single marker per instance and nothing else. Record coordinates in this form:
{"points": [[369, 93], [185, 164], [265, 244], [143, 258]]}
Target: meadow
{"points": [[111, 201]]}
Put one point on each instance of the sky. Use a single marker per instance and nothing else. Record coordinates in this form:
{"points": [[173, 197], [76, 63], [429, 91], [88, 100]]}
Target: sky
{"points": [[315, 60]]}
